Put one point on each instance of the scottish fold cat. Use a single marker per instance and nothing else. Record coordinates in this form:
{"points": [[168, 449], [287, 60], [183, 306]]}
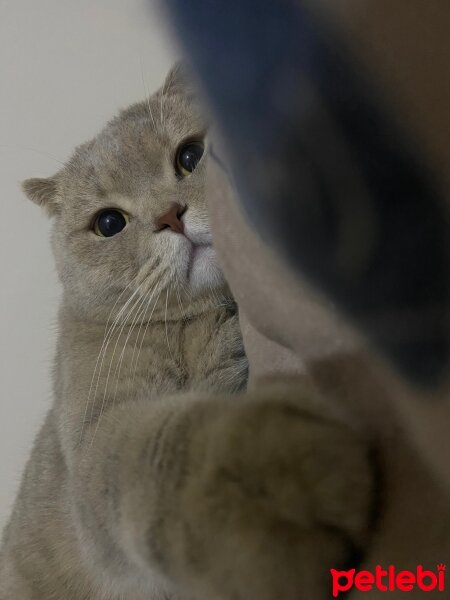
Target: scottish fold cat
{"points": [[155, 475]]}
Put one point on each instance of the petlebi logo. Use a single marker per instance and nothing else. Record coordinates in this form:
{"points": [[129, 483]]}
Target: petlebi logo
{"points": [[388, 580]]}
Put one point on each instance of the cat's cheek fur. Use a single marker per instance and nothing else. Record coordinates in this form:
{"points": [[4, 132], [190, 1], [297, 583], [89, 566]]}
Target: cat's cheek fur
{"points": [[204, 271]]}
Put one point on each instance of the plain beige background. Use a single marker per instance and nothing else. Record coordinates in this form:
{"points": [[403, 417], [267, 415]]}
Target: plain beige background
{"points": [[65, 68]]}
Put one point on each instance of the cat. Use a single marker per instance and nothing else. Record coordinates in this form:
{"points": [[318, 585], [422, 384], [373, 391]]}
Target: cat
{"points": [[156, 476]]}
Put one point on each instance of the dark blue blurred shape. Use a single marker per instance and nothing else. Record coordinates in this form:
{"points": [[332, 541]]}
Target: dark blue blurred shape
{"points": [[324, 172]]}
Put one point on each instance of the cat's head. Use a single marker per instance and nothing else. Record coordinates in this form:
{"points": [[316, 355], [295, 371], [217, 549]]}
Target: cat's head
{"points": [[129, 207]]}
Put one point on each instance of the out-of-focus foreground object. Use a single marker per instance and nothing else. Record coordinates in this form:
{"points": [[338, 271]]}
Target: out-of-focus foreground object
{"points": [[324, 170]]}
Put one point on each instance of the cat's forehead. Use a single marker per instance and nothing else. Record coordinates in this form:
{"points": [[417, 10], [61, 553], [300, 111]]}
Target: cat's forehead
{"points": [[139, 143], [161, 120]]}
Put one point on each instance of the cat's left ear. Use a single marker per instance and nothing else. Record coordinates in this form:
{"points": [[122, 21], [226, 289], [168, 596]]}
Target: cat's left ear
{"points": [[43, 192]]}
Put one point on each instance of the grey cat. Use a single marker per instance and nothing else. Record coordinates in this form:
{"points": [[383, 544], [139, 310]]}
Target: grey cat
{"points": [[152, 477]]}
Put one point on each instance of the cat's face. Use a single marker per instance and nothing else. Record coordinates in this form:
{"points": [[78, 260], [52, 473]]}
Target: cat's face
{"points": [[129, 208]]}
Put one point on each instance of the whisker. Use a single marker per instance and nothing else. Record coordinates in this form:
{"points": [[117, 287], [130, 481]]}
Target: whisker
{"points": [[147, 96], [177, 290], [165, 325], [184, 288], [162, 98], [144, 334], [161, 110], [139, 333], [109, 335], [138, 301], [136, 318], [105, 341], [31, 149]]}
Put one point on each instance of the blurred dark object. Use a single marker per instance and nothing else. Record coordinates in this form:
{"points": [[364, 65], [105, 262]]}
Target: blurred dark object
{"points": [[325, 174]]}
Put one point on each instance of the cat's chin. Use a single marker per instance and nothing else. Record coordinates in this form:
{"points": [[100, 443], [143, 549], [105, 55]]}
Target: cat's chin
{"points": [[204, 272]]}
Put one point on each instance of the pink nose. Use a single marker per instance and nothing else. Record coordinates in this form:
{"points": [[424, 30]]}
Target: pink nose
{"points": [[172, 218]]}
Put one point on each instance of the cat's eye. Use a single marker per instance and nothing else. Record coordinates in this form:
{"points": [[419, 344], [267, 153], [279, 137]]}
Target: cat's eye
{"points": [[110, 222], [188, 156]]}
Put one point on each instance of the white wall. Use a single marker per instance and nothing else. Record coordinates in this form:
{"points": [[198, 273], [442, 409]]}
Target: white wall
{"points": [[65, 68]]}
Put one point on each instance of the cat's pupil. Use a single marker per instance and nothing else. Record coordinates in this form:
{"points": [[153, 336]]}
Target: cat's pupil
{"points": [[190, 156], [110, 222]]}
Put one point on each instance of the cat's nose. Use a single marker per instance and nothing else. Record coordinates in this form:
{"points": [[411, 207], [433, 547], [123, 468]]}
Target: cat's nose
{"points": [[172, 219]]}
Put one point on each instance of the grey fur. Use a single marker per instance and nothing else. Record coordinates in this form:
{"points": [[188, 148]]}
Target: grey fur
{"points": [[148, 479]]}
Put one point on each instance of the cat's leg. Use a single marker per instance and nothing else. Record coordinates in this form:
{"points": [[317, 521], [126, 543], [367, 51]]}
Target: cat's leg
{"points": [[253, 497]]}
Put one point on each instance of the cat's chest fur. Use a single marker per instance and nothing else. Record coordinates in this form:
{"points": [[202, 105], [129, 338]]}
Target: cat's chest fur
{"points": [[98, 367]]}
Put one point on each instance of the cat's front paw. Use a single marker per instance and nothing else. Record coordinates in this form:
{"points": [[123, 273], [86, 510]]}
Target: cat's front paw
{"points": [[281, 494]]}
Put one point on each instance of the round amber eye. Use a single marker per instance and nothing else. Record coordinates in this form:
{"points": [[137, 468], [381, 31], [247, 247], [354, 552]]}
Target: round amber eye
{"points": [[188, 157], [110, 222]]}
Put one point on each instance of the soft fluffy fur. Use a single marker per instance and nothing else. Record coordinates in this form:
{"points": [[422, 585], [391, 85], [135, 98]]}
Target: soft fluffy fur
{"points": [[135, 490]]}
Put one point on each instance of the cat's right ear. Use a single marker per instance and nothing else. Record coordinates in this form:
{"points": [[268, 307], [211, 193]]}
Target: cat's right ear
{"points": [[43, 192]]}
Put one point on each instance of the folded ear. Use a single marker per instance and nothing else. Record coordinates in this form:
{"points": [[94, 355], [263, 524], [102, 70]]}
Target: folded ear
{"points": [[42, 192]]}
